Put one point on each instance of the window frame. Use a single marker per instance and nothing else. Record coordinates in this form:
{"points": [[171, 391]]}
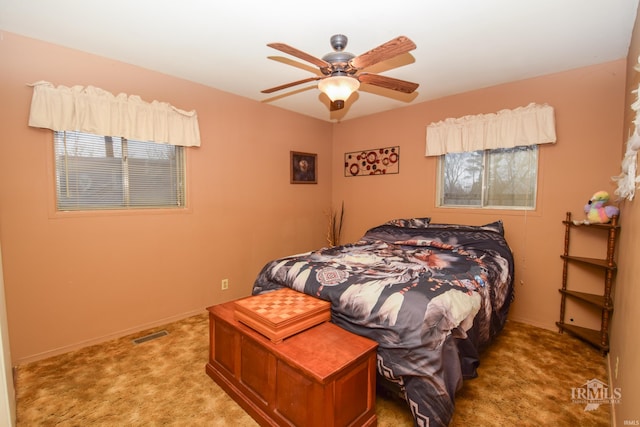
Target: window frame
{"points": [[439, 200], [55, 212]]}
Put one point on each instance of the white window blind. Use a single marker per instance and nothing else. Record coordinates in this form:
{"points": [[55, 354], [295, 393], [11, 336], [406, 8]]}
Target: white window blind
{"points": [[95, 172]]}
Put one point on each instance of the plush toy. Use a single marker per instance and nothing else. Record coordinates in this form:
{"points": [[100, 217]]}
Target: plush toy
{"points": [[597, 212]]}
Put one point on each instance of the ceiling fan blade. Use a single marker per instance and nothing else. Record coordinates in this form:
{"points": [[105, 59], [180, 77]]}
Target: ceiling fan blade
{"points": [[300, 54], [284, 86], [385, 51], [388, 82]]}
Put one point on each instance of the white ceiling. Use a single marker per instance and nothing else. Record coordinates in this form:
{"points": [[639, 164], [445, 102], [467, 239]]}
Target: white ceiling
{"points": [[461, 45]]}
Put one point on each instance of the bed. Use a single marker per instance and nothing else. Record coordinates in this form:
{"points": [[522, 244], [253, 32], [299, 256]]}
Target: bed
{"points": [[432, 295]]}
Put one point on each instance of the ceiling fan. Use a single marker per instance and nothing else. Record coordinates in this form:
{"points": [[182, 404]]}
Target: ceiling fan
{"points": [[341, 71]]}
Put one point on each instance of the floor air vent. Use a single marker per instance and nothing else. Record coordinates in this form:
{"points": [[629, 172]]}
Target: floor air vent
{"points": [[150, 337]]}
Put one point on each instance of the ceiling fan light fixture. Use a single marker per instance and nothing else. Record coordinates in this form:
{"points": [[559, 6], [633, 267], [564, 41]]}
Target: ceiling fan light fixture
{"points": [[338, 88]]}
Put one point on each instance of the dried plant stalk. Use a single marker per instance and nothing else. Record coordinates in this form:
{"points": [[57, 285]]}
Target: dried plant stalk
{"points": [[335, 227]]}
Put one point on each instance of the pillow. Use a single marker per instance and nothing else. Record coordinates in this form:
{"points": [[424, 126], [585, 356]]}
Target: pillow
{"points": [[496, 227], [409, 222]]}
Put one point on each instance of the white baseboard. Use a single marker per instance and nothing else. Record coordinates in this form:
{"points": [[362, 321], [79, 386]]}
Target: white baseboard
{"points": [[610, 376]]}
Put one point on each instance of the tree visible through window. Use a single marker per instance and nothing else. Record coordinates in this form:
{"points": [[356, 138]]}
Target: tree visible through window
{"points": [[502, 178], [95, 172]]}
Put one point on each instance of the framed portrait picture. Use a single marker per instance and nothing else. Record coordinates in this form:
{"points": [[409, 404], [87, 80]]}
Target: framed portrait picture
{"points": [[303, 168]]}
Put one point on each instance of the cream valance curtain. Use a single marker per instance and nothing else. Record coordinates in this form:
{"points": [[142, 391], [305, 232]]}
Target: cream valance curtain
{"points": [[93, 110], [533, 124]]}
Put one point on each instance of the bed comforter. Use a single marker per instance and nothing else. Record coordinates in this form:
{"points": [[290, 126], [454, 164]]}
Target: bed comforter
{"points": [[431, 295]]}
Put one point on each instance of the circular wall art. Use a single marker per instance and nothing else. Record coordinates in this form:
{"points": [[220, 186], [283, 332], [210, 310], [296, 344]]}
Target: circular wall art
{"points": [[380, 161]]}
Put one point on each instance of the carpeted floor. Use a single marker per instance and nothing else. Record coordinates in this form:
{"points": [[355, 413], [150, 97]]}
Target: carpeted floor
{"points": [[525, 378]]}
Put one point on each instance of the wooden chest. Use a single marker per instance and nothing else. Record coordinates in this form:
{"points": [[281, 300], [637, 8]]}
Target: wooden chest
{"points": [[282, 313], [321, 377]]}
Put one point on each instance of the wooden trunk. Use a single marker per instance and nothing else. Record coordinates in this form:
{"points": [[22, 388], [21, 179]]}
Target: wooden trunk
{"points": [[324, 376]]}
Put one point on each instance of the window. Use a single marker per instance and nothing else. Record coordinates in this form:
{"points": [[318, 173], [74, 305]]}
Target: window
{"points": [[95, 172], [501, 178]]}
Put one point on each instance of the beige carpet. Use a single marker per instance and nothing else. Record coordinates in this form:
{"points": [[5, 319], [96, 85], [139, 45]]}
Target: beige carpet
{"points": [[525, 379]]}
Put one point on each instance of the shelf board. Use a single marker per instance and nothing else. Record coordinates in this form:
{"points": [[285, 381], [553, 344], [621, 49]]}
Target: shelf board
{"points": [[591, 336], [597, 300], [602, 263], [603, 226]]}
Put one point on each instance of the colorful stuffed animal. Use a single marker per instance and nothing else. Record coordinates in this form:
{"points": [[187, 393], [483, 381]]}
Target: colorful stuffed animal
{"points": [[597, 212]]}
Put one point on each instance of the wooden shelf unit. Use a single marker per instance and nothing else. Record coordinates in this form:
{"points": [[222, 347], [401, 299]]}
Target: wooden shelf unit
{"points": [[597, 337]]}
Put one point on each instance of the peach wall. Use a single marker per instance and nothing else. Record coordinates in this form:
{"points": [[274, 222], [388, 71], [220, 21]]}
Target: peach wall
{"points": [[588, 122], [625, 346], [77, 279]]}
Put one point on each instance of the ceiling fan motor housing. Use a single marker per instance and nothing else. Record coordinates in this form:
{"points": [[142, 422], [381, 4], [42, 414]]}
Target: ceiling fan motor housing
{"points": [[340, 62], [339, 59]]}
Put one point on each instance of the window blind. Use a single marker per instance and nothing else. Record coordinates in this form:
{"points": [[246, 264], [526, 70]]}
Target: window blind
{"points": [[101, 172]]}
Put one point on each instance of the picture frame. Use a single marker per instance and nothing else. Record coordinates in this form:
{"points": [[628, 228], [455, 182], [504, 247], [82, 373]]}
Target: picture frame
{"points": [[304, 167]]}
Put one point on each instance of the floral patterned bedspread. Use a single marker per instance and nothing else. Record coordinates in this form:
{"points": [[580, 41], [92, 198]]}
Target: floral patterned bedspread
{"points": [[431, 295]]}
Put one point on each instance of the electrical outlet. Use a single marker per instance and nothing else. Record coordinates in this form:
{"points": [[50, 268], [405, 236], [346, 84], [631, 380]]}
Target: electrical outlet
{"points": [[225, 284]]}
